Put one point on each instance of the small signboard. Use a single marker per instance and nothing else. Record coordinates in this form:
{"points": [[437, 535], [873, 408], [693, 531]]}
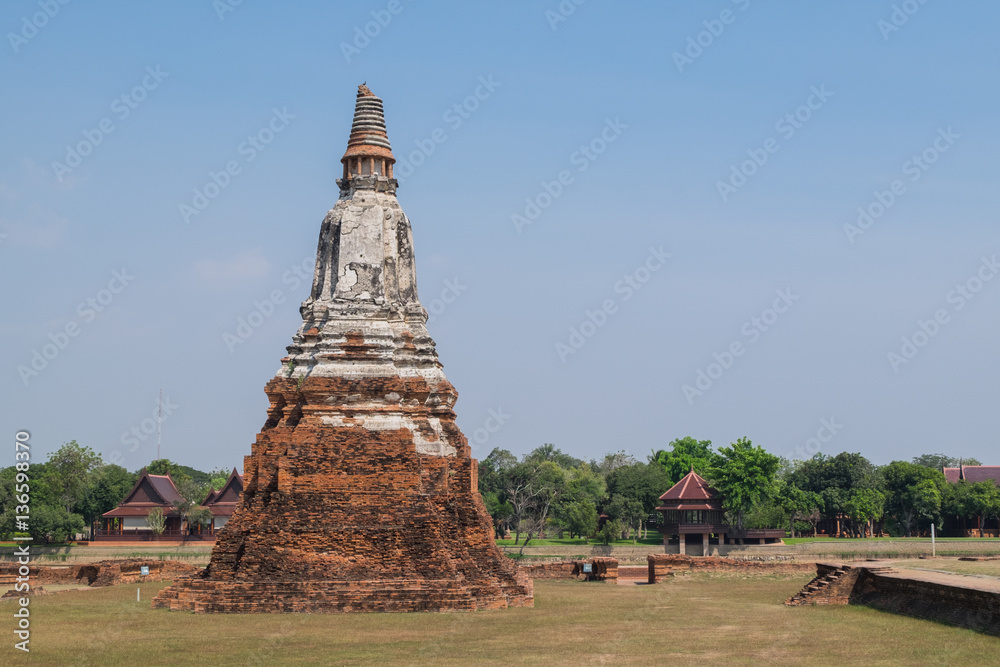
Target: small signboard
{"points": [[144, 570], [588, 568]]}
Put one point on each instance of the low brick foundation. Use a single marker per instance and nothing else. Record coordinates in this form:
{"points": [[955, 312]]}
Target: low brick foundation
{"points": [[103, 573], [601, 569], [715, 563], [566, 569], [952, 599]]}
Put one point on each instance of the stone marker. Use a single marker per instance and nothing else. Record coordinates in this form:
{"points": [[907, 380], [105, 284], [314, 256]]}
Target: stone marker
{"points": [[360, 491]]}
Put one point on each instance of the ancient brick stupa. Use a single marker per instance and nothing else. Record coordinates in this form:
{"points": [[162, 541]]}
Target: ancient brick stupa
{"points": [[360, 491]]}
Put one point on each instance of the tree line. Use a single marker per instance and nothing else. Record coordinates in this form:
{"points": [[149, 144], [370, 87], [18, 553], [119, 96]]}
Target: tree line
{"points": [[72, 489], [548, 492]]}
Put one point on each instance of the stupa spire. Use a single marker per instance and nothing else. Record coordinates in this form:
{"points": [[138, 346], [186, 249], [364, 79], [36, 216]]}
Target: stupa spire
{"points": [[369, 156], [364, 263]]}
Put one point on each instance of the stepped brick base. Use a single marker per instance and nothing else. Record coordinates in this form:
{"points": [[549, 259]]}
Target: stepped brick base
{"points": [[336, 517], [332, 596]]}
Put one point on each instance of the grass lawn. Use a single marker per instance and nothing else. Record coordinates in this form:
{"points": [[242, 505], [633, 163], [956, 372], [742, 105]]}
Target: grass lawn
{"points": [[839, 540], [700, 618], [579, 541]]}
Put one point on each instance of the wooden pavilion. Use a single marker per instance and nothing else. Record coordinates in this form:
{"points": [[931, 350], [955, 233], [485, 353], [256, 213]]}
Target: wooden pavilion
{"points": [[128, 520], [693, 515]]}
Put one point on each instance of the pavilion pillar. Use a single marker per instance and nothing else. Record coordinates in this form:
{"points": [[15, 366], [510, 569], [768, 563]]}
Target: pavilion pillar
{"points": [[681, 537], [704, 544]]}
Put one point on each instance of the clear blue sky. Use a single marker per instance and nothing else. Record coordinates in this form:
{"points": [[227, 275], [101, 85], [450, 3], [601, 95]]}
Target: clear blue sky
{"points": [[198, 81]]}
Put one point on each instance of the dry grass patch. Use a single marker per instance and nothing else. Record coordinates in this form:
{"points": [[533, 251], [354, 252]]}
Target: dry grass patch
{"points": [[735, 619]]}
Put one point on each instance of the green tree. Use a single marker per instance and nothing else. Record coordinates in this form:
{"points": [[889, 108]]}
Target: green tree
{"points": [[983, 501], [864, 506], [178, 472], [72, 470], [799, 505], [155, 521], [642, 482], [745, 475], [549, 452], [612, 462], [217, 478], [584, 489], [580, 518], [499, 510], [685, 454], [626, 512], [51, 522], [191, 494], [609, 532], [110, 485], [199, 516], [940, 461], [913, 493]]}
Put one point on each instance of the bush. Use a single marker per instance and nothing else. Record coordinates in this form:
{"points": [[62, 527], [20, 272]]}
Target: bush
{"points": [[611, 532]]}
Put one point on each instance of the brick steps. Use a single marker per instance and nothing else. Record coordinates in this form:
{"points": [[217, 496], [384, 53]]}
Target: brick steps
{"points": [[812, 592]]}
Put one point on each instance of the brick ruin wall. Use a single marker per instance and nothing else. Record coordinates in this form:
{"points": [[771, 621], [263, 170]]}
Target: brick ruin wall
{"points": [[103, 573], [337, 517], [964, 607], [883, 588], [602, 569], [677, 562], [658, 568], [556, 570]]}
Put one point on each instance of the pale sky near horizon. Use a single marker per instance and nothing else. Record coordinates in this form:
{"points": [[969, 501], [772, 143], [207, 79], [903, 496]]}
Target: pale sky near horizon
{"points": [[632, 223]]}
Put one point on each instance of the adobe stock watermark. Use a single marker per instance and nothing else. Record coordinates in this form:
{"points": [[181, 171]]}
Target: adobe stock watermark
{"points": [[786, 126], [899, 17], [454, 116], [958, 298], [627, 287], [86, 312], [914, 168], [295, 276], [697, 44], [495, 420], [449, 294], [248, 149], [139, 433], [122, 106], [562, 12], [751, 330], [21, 506], [363, 35], [31, 25], [223, 7], [581, 158], [828, 428]]}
